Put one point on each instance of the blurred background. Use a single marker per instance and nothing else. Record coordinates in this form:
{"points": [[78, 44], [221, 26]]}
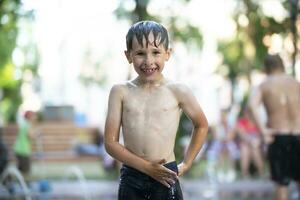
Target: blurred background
{"points": [[59, 59]]}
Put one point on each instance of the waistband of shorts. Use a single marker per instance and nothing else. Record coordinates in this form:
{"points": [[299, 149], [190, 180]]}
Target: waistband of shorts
{"points": [[170, 165], [279, 134]]}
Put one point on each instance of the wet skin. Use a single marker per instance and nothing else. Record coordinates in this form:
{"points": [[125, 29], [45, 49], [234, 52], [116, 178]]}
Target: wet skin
{"points": [[148, 110]]}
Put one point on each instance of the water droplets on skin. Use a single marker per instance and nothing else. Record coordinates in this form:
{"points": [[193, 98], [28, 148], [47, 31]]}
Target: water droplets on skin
{"points": [[283, 99]]}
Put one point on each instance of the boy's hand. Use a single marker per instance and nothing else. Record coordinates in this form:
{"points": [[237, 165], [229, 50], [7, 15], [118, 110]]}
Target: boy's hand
{"points": [[162, 174], [182, 168], [268, 135]]}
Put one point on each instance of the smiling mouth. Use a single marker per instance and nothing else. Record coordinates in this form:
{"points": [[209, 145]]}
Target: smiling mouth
{"points": [[149, 71]]}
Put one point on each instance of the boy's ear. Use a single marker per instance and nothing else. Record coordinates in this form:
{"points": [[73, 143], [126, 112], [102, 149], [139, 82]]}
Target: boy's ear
{"points": [[127, 54], [169, 52]]}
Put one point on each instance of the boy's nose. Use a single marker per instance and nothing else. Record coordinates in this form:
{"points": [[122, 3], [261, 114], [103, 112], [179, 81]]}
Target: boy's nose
{"points": [[149, 60]]}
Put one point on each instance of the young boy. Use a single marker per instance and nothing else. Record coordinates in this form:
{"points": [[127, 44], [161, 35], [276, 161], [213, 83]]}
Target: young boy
{"points": [[280, 95], [148, 109]]}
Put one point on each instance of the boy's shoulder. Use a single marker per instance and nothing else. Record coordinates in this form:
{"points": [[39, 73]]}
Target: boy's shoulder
{"points": [[174, 86], [177, 86], [118, 89], [123, 86]]}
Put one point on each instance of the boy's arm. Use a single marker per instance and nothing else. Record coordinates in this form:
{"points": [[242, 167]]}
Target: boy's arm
{"points": [[254, 103], [119, 152], [191, 107], [33, 131]]}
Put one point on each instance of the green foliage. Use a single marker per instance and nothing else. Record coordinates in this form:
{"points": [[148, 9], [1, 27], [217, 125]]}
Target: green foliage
{"points": [[184, 130], [232, 54], [8, 34], [7, 76], [139, 13], [247, 49], [10, 103], [98, 77], [8, 29], [94, 72], [236, 54], [10, 14], [186, 32]]}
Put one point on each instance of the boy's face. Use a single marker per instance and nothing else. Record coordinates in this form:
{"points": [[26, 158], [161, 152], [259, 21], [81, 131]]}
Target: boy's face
{"points": [[148, 61]]}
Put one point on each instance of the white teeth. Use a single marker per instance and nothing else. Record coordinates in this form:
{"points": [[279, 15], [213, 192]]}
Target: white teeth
{"points": [[148, 70]]}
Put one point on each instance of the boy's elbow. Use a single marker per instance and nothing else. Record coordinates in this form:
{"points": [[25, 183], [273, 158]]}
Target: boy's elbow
{"points": [[108, 146], [202, 127], [204, 124], [204, 130]]}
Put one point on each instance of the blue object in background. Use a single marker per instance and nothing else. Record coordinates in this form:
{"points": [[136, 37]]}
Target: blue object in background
{"points": [[44, 186], [80, 119]]}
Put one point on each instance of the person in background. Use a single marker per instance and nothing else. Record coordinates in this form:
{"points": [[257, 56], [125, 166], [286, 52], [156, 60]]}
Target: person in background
{"points": [[3, 148], [23, 145], [250, 144], [279, 93], [95, 147], [3, 154], [223, 151]]}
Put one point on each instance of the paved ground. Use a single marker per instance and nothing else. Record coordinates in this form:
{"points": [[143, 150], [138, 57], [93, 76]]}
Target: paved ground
{"points": [[193, 190]]}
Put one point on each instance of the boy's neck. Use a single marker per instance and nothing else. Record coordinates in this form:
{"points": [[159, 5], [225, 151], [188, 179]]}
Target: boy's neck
{"points": [[150, 83], [276, 72]]}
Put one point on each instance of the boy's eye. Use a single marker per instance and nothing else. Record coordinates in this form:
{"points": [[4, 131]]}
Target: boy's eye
{"points": [[156, 52], [139, 53]]}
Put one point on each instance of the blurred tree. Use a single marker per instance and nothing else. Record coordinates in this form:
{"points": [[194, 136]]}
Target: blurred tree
{"points": [[10, 77], [248, 48], [179, 29], [294, 10], [92, 71]]}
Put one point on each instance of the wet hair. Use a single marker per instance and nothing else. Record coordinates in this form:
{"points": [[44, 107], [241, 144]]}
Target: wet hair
{"points": [[142, 29], [273, 62]]}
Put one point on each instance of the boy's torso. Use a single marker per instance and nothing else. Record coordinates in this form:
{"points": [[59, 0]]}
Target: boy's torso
{"points": [[281, 96], [150, 118]]}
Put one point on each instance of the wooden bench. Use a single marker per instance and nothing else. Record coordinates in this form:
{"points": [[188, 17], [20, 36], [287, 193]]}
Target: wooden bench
{"points": [[56, 141]]}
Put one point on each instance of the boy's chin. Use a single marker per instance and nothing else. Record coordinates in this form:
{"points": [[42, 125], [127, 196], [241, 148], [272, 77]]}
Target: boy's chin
{"points": [[150, 78]]}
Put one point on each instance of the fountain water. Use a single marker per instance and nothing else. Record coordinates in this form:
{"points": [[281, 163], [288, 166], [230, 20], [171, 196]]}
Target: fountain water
{"points": [[75, 170], [13, 171]]}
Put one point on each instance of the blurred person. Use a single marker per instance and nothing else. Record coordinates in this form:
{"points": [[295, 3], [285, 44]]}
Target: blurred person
{"points": [[96, 148], [148, 109], [3, 154], [250, 144], [3, 148], [280, 95], [27, 131], [223, 151]]}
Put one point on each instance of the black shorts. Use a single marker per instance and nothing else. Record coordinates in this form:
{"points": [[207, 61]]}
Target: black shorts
{"points": [[23, 163], [135, 185], [284, 159]]}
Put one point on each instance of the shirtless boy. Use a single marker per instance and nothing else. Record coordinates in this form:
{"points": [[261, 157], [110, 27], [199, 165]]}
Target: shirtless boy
{"points": [[280, 95], [148, 110]]}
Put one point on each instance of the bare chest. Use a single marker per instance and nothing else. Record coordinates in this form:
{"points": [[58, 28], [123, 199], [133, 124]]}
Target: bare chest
{"points": [[157, 104]]}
